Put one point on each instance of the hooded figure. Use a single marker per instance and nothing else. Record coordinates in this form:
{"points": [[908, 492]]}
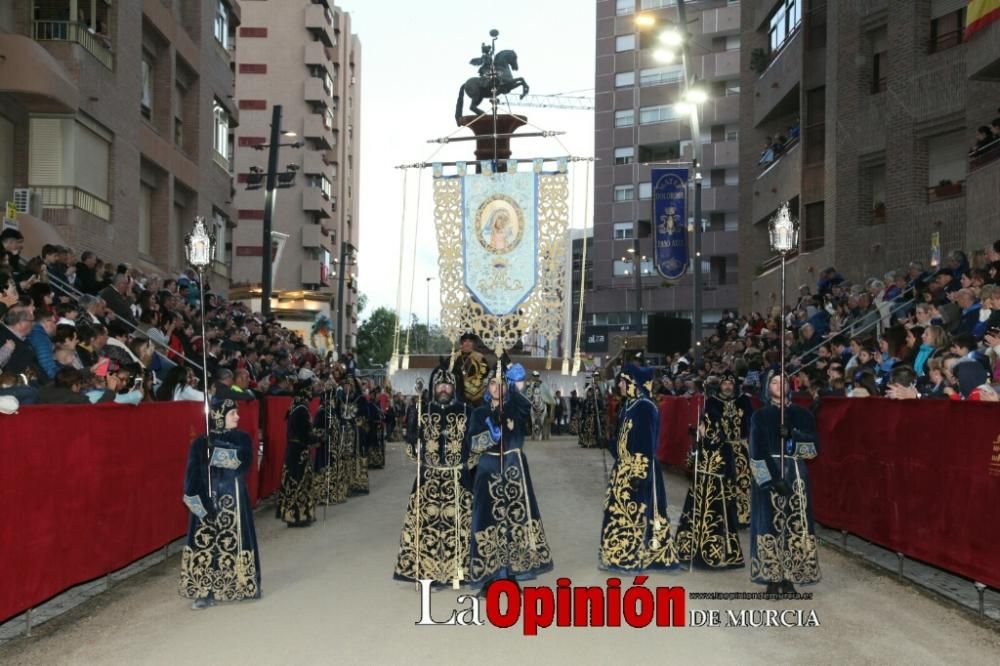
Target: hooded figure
{"points": [[434, 543], [508, 539], [296, 503], [220, 561], [635, 532]]}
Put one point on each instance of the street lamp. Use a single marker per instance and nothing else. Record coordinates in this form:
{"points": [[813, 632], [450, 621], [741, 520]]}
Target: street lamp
{"points": [[274, 180], [784, 237], [199, 249]]}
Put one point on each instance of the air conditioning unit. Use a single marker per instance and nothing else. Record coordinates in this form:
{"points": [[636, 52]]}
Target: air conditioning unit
{"points": [[27, 201], [22, 199]]}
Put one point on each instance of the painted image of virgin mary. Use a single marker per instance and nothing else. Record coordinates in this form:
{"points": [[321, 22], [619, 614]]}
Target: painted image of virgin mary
{"points": [[501, 231]]}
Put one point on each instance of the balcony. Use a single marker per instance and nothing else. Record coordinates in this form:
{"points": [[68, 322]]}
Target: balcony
{"points": [[780, 182], [313, 201], [721, 22], [315, 92], [779, 80], [66, 31], [982, 53], [313, 164], [720, 199], [315, 237], [313, 128], [320, 22], [315, 54], [720, 155], [68, 196], [35, 77], [314, 272], [982, 201], [722, 66]]}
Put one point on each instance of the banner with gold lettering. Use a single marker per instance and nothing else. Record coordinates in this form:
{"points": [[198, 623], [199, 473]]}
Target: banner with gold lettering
{"points": [[670, 253]]}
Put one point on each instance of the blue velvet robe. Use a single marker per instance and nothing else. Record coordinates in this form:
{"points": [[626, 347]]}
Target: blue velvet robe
{"points": [[635, 531], [508, 539], [708, 532], [220, 559], [434, 542], [591, 427], [330, 479], [296, 503], [782, 536]]}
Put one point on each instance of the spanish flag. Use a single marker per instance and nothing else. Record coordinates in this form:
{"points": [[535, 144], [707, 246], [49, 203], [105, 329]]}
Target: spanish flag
{"points": [[979, 14]]}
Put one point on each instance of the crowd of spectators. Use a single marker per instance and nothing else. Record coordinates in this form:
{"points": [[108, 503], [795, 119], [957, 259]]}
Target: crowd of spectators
{"points": [[987, 138], [80, 330], [775, 147], [910, 333]]}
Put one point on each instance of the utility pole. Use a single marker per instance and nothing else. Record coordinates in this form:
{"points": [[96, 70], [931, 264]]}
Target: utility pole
{"points": [[269, 201]]}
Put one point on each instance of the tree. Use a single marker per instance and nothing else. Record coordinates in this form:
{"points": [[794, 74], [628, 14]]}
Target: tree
{"points": [[375, 338]]}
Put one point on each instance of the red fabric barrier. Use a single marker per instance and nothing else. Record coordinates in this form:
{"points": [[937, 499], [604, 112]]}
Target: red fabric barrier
{"points": [[90, 489], [921, 477], [676, 416], [275, 442]]}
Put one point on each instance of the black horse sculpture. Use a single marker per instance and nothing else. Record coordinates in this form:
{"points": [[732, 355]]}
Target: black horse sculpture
{"points": [[480, 87]]}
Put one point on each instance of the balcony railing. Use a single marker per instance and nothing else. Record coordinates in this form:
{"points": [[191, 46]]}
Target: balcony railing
{"points": [[68, 196], [985, 155], [944, 190], [68, 31]]}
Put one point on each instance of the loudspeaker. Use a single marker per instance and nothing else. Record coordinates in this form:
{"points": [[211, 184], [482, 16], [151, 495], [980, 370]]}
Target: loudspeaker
{"points": [[668, 335]]}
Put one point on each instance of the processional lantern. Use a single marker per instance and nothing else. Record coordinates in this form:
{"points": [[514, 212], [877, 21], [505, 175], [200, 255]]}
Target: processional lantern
{"points": [[784, 231], [199, 245]]}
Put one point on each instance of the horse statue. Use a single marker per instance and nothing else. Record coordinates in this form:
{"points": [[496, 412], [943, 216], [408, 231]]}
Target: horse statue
{"points": [[481, 87]]}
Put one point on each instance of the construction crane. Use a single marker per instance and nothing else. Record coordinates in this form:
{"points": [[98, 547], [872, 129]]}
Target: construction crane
{"points": [[557, 101]]}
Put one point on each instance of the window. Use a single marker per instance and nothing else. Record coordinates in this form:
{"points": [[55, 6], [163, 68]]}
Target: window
{"points": [[624, 7], [783, 23], [624, 192], [624, 155], [814, 231], [221, 25], [657, 4], [656, 76], [624, 231], [68, 152], [328, 119], [146, 102], [622, 268], [815, 129], [880, 59], [221, 225], [732, 134], [625, 118], [946, 158], [947, 22], [624, 43], [645, 190], [220, 140], [656, 114], [145, 217], [624, 79], [717, 269], [179, 93], [733, 43]]}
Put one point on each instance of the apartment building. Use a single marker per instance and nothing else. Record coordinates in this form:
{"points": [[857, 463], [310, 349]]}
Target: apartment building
{"points": [[873, 107], [302, 55], [114, 124], [639, 123]]}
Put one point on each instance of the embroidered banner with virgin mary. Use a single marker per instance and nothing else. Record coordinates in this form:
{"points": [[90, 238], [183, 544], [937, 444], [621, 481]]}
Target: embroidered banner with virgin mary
{"points": [[502, 250]]}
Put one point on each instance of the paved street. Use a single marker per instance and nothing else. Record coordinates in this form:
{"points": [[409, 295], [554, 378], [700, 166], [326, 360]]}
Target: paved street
{"points": [[329, 598]]}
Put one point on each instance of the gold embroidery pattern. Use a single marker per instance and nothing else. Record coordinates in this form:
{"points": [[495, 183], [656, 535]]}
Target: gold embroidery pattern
{"points": [[740, 487], [711, 539], [296, 501], [445, 523], [454, 433], [515, 539], [629, 540], [217, 565], [330, 484], [799, 563]]}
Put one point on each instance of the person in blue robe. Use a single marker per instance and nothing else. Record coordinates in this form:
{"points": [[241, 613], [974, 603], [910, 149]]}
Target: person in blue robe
{"points": [[783, 549], [354, 437], [434, 543], [296, 503], [635, 531], [708, 532], [220, 561], [508, 538], [376, 433], [591, 426], [329, 484]]}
